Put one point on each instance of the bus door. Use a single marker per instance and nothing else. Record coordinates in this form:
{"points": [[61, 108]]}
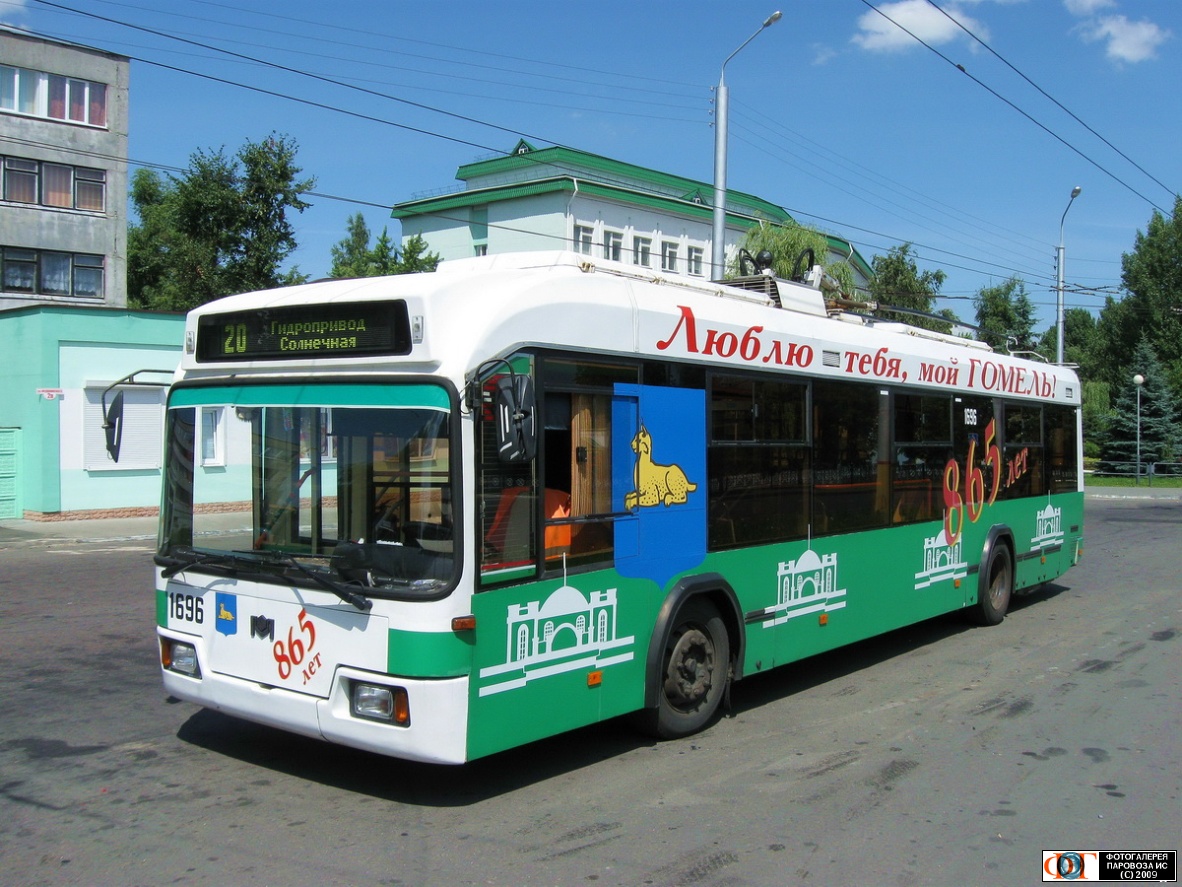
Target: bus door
{"points": [[659, 480]]}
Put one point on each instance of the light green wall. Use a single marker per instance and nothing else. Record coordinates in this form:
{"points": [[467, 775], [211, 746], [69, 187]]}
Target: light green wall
{"points": [[62, 347]]}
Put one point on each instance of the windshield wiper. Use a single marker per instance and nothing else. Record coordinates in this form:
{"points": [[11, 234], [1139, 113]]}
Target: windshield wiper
{"points": [[186, 557], [361, 602], [231, 563]]}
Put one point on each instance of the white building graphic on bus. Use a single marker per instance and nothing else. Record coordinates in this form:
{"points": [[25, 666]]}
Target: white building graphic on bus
{"points": [[1048, 527], [941, 561], [806, 585], [567, 631]]}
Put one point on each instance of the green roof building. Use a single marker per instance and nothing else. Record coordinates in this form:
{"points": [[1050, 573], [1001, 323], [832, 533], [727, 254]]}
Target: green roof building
{"points": [[561, 198]]}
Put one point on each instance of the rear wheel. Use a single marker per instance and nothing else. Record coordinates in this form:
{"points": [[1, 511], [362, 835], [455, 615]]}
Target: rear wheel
{"points": [[994, 598], [695, 667]]}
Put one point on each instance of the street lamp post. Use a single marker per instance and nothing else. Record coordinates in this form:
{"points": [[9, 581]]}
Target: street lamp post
{"points": [[718, 246], [1059, 289], [1138, 380]]}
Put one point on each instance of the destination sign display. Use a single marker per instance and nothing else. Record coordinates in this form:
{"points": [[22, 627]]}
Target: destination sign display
{"points": [[356, 329]]}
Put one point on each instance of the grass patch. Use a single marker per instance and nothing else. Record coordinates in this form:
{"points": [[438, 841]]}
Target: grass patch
{"points": [[1123, 480]]}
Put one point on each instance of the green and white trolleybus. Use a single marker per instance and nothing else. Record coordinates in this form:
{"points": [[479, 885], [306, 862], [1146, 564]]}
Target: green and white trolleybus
{"points": [[440, 515]]}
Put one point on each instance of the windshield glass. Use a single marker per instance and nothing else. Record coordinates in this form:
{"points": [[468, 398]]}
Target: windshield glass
{"points": [[349, 484]]}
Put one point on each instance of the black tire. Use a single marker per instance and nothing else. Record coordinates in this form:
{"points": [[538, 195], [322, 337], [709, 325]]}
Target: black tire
{"points": [[993, 600], [695, 666]]}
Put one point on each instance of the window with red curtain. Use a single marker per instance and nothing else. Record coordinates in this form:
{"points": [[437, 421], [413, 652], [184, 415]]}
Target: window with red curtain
{"points": [[77, 92], [98, 104], [58, 185], [57, 97], [90, 189], [20, 180]]}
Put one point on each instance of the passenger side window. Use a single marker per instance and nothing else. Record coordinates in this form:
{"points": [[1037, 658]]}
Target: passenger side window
{"points": [[1022, 451], [923, 446], [758, 460], [851, 453]]}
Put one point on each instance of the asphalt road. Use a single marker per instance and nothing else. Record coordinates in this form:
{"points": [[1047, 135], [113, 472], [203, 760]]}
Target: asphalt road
{"points": [[940, 754]]}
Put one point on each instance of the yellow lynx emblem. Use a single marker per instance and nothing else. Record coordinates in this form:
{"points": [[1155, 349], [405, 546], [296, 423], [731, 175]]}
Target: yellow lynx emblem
{"points": [[223, 613], [655, 484]]}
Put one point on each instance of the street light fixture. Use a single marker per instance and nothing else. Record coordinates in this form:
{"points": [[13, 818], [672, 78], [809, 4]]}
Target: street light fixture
{"points": [[718, 247], [1138, 380], [1059, 301]]}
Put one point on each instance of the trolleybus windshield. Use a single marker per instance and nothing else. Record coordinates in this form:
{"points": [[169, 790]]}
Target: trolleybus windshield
{"points": [[290, 486]]}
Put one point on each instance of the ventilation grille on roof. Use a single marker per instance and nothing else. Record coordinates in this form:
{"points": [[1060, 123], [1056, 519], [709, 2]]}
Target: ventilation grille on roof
{"points": [[759, 283]]}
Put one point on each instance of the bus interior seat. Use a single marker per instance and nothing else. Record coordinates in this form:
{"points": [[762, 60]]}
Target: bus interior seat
{"points": [[509, 533]]}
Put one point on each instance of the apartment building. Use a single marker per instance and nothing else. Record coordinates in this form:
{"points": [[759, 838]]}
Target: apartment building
{"points": [[68, 335], [63, 165]]}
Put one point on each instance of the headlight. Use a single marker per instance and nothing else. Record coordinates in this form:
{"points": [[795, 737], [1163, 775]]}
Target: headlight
{"points": [[380, 703], [180, 657]]}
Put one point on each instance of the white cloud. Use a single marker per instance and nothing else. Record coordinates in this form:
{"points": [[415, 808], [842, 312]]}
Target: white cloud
{"points": [[11, 10], [925, 21], [822, 53], [1087, 7], [1127, 41]]}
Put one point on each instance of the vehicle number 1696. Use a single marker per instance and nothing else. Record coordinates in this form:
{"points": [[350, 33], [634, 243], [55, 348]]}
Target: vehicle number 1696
{"points": [[186, 607]]}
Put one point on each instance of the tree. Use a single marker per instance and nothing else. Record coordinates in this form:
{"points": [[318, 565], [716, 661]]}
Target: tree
{"points": [[1098, 416], [898, 282], [354, 257], [1152, 306], [220, 227], [1079, 341], [415, 256], [1158, 430], [787, 243], [1005, 315], [350, 257]]}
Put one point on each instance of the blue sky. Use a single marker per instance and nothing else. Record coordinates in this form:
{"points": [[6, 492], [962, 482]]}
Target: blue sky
{"points": [[836, 112]]}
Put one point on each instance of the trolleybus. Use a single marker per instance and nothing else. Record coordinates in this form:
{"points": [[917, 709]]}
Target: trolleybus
{"points": [[440, 515]]}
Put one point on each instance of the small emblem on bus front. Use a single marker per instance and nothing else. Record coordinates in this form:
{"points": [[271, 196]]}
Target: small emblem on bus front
{"points": [[262, 627]]}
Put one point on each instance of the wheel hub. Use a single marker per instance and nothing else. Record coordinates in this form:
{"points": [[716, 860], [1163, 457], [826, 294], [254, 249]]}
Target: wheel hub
{"points": [[691, 669]]}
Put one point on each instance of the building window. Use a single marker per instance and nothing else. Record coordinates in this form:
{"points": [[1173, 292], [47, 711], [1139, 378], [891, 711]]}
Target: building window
{"points": [[58, 185], [668, 256], [52, 96], [693, 259], [478, 228], [642, 251], [212, 445], [54, 184], [88, 276], [613, 245], [51, 273], [21, 180], [90, 189], [141, 433], [19, 89], [20, 270], [55, 274], [582, 239]]}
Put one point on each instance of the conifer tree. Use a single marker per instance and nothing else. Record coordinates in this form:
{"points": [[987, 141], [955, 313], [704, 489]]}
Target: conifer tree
{"points": [[1157, 417]]}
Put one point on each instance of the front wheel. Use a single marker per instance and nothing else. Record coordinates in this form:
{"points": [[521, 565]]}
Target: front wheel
{"points": [[695, 667], [994, 598]]}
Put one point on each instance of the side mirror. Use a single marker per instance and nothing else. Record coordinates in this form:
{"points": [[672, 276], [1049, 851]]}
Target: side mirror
{"points": [[515, 416], [113, 425]]}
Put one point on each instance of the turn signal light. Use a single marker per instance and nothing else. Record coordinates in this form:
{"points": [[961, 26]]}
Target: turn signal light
{"points": [[179, 657]]}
